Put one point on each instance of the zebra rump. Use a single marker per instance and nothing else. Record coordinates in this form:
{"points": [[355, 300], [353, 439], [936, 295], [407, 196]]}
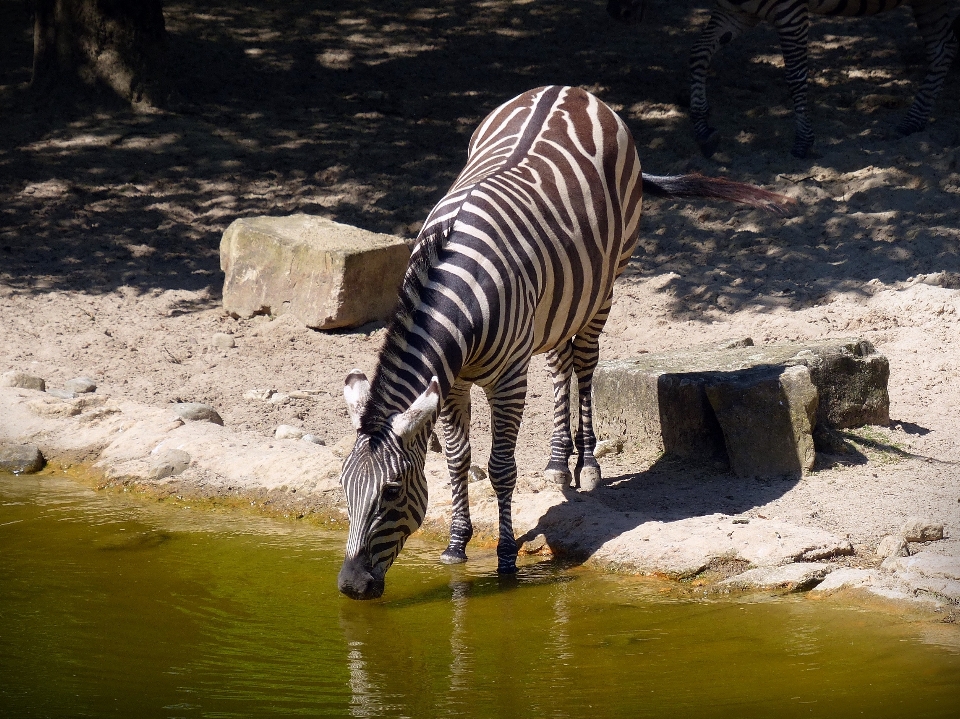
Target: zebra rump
{"points": [[518, 258]]}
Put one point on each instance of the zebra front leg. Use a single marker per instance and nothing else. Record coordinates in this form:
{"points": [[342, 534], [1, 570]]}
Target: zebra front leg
{"points": [[560, 362], [455, 421], [793, 30], [722, 27], [941, 41], [586, 353], [506, 410]]}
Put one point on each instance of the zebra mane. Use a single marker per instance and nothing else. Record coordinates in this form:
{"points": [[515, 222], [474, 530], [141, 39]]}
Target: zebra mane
{"points": [[412, 295]]}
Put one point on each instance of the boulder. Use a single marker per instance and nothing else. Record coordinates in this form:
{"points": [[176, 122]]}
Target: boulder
{"points": [[20, 458], [168, 463], [325, 274], [22, 380], [918, 529], [80, 385], [742, 402], [197, 412], [892, 545]]}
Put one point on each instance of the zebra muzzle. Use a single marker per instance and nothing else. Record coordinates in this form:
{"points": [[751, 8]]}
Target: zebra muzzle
{"points": [[356, 581]]}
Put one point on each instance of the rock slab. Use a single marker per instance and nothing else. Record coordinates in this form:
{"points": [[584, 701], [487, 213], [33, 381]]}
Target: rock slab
{"points": [[22, 380], [325, 274], [20, 458], [797, 577], [197, 412], [756, 406]]}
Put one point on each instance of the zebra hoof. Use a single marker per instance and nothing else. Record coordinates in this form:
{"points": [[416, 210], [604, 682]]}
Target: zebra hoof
{"points": [[908, 128], [558, 477], [453, 556], [709, 143], [800, 151], [588, 478]]}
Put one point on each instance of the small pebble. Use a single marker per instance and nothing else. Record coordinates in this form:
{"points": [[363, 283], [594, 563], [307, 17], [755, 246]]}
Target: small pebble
{"points": [[286, 431], [80, 385], [608, 446], [22, 380], [197, 412], [223, 341], [279, 398], [313, 438], [476, 474], [261, 395]]}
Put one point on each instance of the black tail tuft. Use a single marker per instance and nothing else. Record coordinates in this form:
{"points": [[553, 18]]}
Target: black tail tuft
{"points": [[718, 188]]}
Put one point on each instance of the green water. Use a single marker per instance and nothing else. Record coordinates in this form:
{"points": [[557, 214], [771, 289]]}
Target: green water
{"points": [[115, 607]]}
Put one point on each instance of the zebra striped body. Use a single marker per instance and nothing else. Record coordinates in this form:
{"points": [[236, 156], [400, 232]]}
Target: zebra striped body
{"points": [[937, 21], [518, 258]]}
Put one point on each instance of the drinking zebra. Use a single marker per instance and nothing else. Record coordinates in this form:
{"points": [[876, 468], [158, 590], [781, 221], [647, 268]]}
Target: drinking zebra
{"points": [[518, 258], [937, 21]]}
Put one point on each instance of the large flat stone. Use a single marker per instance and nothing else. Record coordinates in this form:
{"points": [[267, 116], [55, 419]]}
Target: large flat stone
{"points": [[325, 274], [662, 400], [20, 458]]}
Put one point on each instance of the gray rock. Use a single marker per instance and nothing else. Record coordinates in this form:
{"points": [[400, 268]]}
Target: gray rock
{"points": [[766, 418], [325, 274], [80, 385], [223, 341], [476, 473], [917, 529], [168, 463], [798, 577], [61, 393], [286, 431], [893, 546], [20, 458], [661, 400], [197, 412], [22, 380], [313, 439]]}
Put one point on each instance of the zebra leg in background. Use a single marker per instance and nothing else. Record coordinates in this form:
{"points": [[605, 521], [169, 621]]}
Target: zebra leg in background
{"points": [[455, 420], [793, 29], [941, 39], [560, 362], [506, 410], [723, 26], [586, 353]]}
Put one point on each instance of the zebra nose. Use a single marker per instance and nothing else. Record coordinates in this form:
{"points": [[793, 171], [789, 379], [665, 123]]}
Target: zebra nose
{"points": [[357, 582]]}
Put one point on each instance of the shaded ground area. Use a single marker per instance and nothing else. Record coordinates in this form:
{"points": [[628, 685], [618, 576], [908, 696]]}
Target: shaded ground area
{"points": [[110, 221]]}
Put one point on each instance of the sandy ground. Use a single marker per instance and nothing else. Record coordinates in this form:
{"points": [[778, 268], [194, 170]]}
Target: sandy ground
{"points": [[110, 222]]}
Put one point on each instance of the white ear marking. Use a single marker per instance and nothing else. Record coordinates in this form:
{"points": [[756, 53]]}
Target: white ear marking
{"points": [[356, 391], [407, 424]]}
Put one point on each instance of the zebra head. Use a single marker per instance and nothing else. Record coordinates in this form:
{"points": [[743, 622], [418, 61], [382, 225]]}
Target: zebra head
{"points": [[626, 11], [384, 484]]}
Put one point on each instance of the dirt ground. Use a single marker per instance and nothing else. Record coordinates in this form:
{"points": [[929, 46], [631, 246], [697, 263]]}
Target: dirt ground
{"points": [[110, 219]]}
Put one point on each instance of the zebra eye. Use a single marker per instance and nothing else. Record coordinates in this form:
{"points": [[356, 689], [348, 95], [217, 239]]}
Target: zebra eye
{"points": [[391, 491]]}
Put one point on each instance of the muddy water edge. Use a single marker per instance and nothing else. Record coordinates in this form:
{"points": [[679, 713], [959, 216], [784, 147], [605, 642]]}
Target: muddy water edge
{"points": [[112, 605]]}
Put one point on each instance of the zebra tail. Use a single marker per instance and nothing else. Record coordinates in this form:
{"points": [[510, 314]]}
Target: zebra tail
{"points": [[718, 188]]}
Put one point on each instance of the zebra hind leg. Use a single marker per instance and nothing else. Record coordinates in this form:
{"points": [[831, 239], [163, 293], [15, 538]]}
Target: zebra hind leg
{"points": [[793, 29], [455, 421], [586, 353], [560, 363], [942, 41]]}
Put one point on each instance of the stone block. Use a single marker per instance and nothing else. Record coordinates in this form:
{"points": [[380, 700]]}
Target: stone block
{"points": [[766, 416], [22, 380], [696, 403], [325, 274]]}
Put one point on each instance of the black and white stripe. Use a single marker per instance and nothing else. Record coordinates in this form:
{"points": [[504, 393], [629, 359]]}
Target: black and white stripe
{"points": [[937, 21], [518, 258]]}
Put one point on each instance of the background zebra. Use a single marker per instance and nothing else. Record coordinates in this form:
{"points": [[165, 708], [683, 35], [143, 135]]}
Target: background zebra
{"points": [[937, 21], [518, 258]]}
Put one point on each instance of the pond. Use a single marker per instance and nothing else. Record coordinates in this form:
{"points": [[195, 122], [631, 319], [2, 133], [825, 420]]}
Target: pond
{"points": [[117, 606]]}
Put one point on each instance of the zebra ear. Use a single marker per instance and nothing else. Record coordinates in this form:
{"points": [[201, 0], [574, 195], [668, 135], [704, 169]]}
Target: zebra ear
{"points": [[407, 424], [356, 391]]}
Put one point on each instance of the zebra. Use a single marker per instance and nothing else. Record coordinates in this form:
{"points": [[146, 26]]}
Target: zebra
{"points": [[937, 20], [518, 258]]}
